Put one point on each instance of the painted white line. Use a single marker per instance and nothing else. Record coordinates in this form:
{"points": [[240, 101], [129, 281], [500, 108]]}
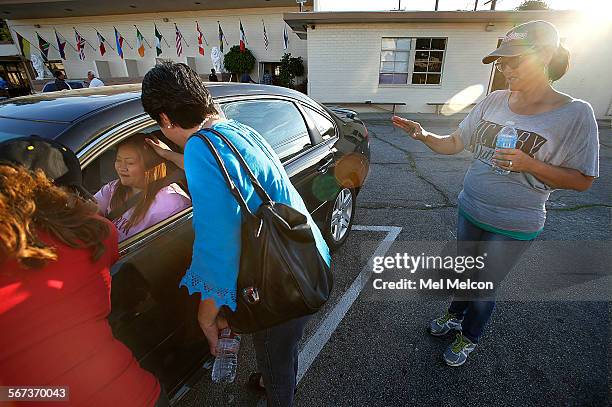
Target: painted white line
{"points": [[317, 341]]}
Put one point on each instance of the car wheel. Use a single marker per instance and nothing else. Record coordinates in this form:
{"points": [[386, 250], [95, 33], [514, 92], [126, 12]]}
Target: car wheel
{"points": [[340, 218]]}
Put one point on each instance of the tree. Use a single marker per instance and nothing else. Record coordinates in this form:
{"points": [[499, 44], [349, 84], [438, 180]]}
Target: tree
{"points": [[238, 62], [290, 69], [533, 5]]}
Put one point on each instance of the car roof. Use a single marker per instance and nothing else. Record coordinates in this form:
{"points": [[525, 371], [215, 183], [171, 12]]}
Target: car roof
{"points": [[75, 117], [69, 106]]}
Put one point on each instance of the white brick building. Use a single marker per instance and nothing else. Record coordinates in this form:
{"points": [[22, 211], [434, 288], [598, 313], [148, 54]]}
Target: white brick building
{"points": [[29, 17], [348, 53]]}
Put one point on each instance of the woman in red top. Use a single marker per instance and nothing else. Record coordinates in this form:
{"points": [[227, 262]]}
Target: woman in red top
{"points": [[55, 256]]}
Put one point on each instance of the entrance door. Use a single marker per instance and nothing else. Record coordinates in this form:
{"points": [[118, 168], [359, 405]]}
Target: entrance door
{"points": [[273, 68], [497, 81], [132, 68]]}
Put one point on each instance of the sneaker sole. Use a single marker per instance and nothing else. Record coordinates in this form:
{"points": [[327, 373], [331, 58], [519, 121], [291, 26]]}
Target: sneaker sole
{"points": [[454, 364], [439, 335]]}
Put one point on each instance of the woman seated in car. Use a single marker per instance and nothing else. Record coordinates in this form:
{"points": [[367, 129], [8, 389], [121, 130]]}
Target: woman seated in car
{"points": [[141, 172]]}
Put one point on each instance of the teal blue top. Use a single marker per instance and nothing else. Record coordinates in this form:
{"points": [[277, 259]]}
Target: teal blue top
{"points": [[217, 216], [511, 233]]}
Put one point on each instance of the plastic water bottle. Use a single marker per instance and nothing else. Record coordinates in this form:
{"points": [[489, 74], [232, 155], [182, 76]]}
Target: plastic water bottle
{"points": [[226, 362], [506, 138]]}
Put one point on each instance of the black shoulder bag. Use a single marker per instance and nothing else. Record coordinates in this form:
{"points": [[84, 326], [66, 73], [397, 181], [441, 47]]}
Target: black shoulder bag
{"points": [[282, 275]]}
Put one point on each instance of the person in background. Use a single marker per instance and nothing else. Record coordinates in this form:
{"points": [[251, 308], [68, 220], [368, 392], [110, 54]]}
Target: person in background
{"points": [[60, 81], [94, 82], [175, 97], [213, 76], [246, 78], [267, 78], [140, 170], [500, 215], [55, 258]]}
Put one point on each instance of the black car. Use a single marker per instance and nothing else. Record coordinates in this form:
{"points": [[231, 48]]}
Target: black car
{"points": [[50, 86], [326, 154]]}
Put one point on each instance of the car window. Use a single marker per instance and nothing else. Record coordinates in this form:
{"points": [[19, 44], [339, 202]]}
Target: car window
{"points": [[324, 125], [49, 87], [111, 175], [278, 121]]}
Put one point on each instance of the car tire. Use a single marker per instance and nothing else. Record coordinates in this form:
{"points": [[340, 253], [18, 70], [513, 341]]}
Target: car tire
{"points": [[340, 218]]}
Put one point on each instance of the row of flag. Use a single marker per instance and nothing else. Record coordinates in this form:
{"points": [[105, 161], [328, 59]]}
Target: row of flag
{"points": [[81, 43]]}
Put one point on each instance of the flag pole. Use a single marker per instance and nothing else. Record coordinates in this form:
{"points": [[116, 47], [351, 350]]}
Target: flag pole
{"points": [[65, 40], [51, 45], [163, 37], [24, 60], [126, 41], [182, 38], [86, 42], [226, 43], [106, 42], [203, 36], [143, 37]]}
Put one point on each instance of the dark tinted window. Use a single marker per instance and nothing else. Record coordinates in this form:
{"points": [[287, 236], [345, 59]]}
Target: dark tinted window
{"points": [[324, 125], [11, 128], [278, 121]]}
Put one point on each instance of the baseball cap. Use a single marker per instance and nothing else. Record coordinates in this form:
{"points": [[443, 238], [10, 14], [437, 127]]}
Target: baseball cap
{"points": [[58, 162], [524, 38]]}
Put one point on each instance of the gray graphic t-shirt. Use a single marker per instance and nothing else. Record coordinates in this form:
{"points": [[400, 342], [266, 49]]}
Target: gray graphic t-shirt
{"points": [[565, 137]]}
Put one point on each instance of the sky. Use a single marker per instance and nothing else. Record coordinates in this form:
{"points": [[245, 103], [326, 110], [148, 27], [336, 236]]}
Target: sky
{"points": [[370, 5]]}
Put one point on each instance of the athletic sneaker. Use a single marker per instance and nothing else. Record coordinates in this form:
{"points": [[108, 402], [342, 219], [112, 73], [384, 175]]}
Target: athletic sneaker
{"points": [[443, 325], [457, 352]]}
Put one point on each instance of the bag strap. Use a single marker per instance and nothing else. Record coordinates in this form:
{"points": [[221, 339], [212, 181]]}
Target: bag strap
{"points": [[261, 192], [175, 176], [228, 180]]}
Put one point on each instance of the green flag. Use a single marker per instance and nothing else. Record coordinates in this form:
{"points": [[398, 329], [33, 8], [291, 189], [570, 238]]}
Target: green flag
{"points": [[24, 45], [44, 46], [158, 38]]}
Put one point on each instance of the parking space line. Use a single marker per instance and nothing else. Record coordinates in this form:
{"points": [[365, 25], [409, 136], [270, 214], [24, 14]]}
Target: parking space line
{"points": [[317, 341]]}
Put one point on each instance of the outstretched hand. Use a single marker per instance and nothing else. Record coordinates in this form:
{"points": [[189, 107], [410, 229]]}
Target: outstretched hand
{"points": [[413, 128]]}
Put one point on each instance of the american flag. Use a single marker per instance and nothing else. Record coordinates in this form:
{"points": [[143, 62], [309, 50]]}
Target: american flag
{"points": [[179, 41], [80, 45], [266, 42]]}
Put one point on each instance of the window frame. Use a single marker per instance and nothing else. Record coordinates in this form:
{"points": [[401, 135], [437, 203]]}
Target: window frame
{"points": [[411, 61], [325, 114], [98, 146], [313, 134]]}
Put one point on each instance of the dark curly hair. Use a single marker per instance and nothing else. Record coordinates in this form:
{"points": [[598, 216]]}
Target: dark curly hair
{"points": [[176, 90]]}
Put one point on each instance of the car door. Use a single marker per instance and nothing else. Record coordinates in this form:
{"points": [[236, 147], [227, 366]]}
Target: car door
{"points": [[155, 318], [307, 158]]}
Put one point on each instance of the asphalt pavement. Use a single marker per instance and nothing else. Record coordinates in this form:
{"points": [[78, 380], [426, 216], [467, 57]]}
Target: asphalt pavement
{"points": [[548, 343]]}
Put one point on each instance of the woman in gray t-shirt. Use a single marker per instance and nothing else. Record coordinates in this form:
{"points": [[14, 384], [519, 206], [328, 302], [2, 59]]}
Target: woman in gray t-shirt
{"points": [[500, 215]]}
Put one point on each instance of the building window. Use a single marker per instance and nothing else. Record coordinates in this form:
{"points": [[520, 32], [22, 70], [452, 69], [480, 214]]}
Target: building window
{"points": [[394, 59], [417, 61]]}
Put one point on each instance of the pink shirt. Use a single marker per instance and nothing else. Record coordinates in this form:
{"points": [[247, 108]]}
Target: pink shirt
{"points": [[168, 201]]}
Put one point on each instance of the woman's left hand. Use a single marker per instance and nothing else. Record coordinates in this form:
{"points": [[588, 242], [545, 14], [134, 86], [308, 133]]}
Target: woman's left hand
{"points": [[512, 159], [158, 146]]}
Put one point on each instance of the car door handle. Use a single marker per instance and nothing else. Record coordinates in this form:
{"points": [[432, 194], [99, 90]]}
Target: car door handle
{"points": [[325, 164]]}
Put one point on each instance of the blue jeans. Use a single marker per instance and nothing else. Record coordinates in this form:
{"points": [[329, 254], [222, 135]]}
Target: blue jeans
{"points": [[503, 253], [276, 350]]}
